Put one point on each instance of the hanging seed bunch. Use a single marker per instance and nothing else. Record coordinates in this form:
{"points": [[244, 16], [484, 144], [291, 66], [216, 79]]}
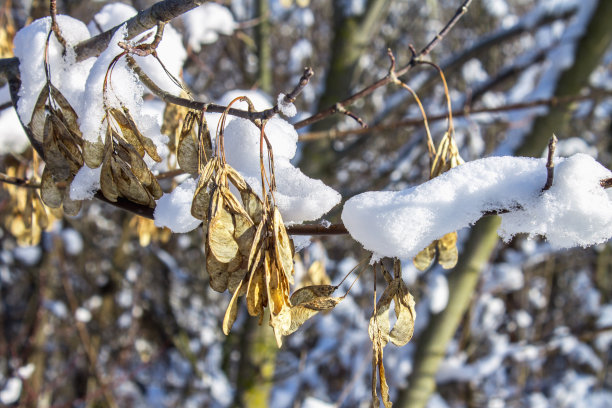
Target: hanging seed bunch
{"points": [[248, 250], [54, 127], [442, 159], [380, 329], [124, 172]]}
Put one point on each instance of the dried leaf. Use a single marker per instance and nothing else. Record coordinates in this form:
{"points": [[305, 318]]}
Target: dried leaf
{"points": [[232, 310], [244, 233], [39, 115], [69, 116], [54, 158], [148, 144], [378, 335], [217, 272], [310, 293], [237, 179], [309, 301], [201, 201], [187, 148], [237, 270], [252, 205], [155, 189], [140, 169], [256, 254], [424, 258], [221, 236], [447, 250], [403, 328], [108, 184], [129, 134], [130, 187], [93, 153], [71, 207], [282, 246], [256, 292], [132, 135], [49, 193]]}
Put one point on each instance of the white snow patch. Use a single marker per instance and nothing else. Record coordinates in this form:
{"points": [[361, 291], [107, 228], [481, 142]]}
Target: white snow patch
{"points": [[575, 211], [11, 391], [13, 139], [85, 183], [173, 210], [82, 315], [438, 288], [205, 23], [298, 197], [66, 74], [28, 255], [287, 108]]}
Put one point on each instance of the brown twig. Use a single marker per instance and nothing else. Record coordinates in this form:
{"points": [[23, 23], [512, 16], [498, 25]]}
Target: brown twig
{"points": [[213, 107], [16, 181], [142, 50], [335, 134], [341, 109], [163, 11], [550, 164], [54, 26], [387, 79]]}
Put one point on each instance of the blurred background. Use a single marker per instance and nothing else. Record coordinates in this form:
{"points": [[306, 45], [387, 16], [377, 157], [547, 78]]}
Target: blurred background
{"points": [[104, 309]]}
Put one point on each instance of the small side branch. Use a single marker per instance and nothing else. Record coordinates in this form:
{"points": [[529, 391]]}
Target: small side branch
{"points": [[213, 107], [387, 79], [550, 164]]}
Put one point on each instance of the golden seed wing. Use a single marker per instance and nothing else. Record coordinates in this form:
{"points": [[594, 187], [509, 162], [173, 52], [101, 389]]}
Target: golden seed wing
{"points": [[424, 258], [221, 236], [49, 193]]}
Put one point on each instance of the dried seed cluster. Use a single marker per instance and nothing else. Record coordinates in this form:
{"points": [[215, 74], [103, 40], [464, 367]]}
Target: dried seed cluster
{"points": [[443, 159]]}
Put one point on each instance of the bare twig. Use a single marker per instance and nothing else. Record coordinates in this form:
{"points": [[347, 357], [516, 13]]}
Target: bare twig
{"points": [[213, 107], [550, 164], [163, 11], [142, 50], [18, 181], [341, 109], [335, 134], [387, 79]]}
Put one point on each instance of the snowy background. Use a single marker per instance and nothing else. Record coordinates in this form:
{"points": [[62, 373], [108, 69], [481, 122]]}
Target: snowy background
{"points": [[538, 329]]}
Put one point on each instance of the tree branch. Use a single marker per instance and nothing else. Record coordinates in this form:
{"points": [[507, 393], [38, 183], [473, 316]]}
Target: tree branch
{"points": [[163, 11], [387, 79]]}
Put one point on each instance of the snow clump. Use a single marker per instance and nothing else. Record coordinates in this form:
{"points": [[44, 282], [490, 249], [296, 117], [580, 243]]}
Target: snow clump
{"points": [[575, 211]]}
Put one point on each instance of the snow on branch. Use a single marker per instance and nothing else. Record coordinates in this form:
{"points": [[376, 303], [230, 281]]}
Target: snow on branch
{"points": [[575, 211]]}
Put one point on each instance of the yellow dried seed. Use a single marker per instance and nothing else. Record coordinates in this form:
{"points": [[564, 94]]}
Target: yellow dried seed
{"points": [[424, 258], [93, 153], [50, 194], [187, 149], [232, 310], [283, 247], [39, 115], [217, 272], [221, 236]]}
